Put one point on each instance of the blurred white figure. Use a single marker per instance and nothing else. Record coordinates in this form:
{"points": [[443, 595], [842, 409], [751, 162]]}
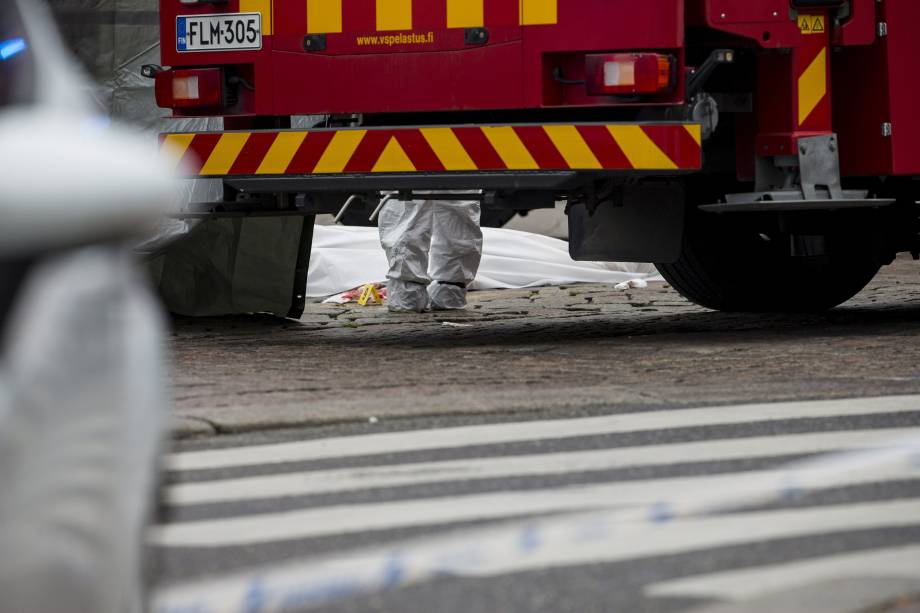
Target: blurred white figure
{"points": [[82, 410], [82, 404], [433, 248]]}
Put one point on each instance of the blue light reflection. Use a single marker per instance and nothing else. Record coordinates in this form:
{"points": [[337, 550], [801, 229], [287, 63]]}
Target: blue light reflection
{"points": [[9, 48]]}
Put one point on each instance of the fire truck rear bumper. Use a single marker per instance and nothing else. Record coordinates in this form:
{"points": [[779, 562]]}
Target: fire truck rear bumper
{"points": [[507, 180], [532, 156]]}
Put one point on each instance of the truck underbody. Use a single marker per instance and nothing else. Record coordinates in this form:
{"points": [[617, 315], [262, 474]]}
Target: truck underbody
{"points": [[773, 137]]}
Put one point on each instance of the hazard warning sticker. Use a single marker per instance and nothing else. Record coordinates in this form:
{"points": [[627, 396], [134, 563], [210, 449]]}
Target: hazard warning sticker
{"points": [[812, 24]]}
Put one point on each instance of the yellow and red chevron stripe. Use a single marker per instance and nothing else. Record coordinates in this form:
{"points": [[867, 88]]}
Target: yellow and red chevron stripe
{"points": [[812, 85], [598, 147], [811, 63], [333, 16]]}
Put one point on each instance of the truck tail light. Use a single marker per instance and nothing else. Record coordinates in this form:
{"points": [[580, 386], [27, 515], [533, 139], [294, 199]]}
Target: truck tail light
{"points": [[199, 87], [628, 73]]}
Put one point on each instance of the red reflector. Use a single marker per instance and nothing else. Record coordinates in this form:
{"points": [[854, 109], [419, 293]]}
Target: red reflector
{"points": [[199, 87], [627, 73]]}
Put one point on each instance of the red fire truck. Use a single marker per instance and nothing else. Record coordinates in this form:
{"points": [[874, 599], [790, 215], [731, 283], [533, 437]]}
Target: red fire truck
{"points": [[761, 152]]}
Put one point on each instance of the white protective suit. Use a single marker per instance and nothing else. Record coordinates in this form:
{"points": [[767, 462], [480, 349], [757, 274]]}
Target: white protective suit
{"points": [[433, 248]]}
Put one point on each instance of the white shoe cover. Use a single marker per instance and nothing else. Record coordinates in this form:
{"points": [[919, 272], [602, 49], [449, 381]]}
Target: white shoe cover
{"points": [[406, 296], [445, 297]]}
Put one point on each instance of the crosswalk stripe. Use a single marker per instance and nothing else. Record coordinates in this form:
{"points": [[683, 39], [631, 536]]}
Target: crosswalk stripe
{"points": [[417, 440], [497, 552], [695, 534], [352, 479], [350, 519], [748, 583]]}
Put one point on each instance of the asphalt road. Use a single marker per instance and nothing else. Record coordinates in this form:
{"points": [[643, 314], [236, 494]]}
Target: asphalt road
{"points": [[691, 508], [424, 467], [372, 463], [551, 349]]}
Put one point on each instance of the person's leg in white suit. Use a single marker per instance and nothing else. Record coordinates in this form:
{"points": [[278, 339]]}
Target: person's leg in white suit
{"points": [[405, 233], [456, 250]]}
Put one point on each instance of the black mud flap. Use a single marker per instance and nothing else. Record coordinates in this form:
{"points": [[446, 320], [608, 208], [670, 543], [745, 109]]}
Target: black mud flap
{"points": [[301, 269], [644, 223]]}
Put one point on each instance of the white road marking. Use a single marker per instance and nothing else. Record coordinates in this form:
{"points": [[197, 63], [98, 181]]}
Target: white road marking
{"points": [[693, 534], [557, 543], [749, 583], [417, 440], [353, 479], [347, 519]]}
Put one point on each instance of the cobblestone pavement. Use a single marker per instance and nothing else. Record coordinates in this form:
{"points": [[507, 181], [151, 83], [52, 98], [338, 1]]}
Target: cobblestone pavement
{"points": [[558, 349]]}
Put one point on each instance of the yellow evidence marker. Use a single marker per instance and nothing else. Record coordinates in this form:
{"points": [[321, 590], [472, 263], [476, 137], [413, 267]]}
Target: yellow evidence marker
{"points": [[369, 293]]}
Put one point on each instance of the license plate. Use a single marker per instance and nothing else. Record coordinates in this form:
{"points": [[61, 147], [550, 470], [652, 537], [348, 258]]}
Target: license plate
{"points": [[230, 32]]}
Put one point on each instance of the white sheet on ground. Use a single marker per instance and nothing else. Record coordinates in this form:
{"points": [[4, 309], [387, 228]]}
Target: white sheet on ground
{"points": [[347, 257]]}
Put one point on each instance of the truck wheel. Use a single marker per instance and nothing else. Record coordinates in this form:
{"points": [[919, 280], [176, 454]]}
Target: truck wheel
{"points": [[726, 268]]}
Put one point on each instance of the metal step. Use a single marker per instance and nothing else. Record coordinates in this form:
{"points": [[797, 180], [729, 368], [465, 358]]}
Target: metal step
{"points": [[793, 206]]}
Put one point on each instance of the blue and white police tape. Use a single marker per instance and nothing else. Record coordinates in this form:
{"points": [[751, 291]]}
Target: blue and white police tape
{"points": [[602, 535]]}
